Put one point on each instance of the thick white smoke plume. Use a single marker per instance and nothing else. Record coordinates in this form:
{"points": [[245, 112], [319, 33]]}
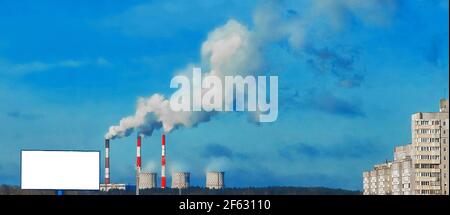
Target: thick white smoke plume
{"points": [[229, 50], [234, 49]]}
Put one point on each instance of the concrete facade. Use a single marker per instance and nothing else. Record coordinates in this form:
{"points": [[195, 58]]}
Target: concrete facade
{"points": [[384, 177], [407, 176], [419, 168], [147, 180], [215, 180], [430, 141], [402, 171], [366, 183], [181, 180], [392, 178], [373, 182]]}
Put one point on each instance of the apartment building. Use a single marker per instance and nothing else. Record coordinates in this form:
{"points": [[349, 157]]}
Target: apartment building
{"points": [[402, 171], [419, 168], [430, 141], [391, 178], [384, 177]]}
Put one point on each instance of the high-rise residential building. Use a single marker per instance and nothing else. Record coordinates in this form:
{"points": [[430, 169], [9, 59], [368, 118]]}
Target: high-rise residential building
{"points": [[419, 168], [402, 171], [430, 141], [396, 177], [366, 183], [384, 177], [373, 182]]}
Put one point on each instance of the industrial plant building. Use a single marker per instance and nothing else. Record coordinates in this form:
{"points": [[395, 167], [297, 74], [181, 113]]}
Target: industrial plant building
{"points": [[419, 168], [148, 180]]}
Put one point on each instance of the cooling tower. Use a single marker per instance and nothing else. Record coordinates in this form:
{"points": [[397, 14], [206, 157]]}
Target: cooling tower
{"points": [[181, 180], [147, 180], [215, 180]]}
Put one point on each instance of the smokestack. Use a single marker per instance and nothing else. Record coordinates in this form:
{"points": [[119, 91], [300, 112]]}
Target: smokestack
{"points": [[107, 180], [163, 162], [138, 153], [138, 162]]}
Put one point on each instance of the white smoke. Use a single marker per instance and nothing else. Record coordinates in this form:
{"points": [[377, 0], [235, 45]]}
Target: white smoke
{"points": [[176, 166], [218, 164], [234, 49], [150, 166], [227, 51], [231, 50]]}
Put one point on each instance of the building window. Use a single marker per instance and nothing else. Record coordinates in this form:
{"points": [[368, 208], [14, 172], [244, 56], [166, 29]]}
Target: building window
{"points": [[424, 122]]}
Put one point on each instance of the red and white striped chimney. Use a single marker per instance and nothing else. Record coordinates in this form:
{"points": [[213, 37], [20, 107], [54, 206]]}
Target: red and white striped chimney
{"points": [[138, 153], [107, 180], [138, 162], [163, 162]]}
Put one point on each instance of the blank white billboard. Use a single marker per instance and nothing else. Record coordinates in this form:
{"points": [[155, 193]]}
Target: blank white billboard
{"points": [[60, 170]]}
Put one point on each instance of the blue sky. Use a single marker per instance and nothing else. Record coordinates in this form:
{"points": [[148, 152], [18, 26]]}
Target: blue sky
{"points": [[69, 70]]}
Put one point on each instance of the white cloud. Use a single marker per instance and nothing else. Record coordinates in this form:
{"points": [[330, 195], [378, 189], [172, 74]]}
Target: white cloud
{"points": [[230, 49]]}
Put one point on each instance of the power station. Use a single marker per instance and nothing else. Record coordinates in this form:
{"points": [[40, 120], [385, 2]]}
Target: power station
{"points": [[148, 180]]}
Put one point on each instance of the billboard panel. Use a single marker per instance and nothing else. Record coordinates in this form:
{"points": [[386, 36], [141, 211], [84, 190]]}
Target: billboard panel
{"points": [[60, 170]]}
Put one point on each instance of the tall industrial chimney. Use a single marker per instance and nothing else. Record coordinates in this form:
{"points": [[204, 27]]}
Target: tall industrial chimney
{"points": [[107, 180], [138, 162], [163, 162]]}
